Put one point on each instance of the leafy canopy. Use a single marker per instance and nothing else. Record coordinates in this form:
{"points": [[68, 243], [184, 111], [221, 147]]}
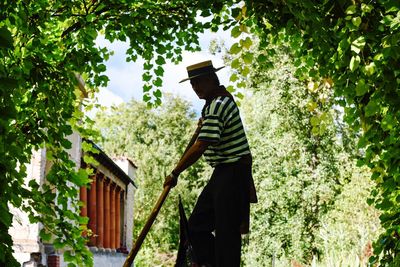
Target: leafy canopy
{"points": [[355, 46], [43, 44]]}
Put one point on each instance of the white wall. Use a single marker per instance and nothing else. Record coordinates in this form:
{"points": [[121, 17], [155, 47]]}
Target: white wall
{"points": [[103, 260], [25, 235]]}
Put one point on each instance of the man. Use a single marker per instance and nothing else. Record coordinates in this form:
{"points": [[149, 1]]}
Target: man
{"points": [[221, 213]]}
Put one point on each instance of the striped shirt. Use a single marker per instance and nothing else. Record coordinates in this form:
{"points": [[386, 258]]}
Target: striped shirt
{"points": [[223, 127]]}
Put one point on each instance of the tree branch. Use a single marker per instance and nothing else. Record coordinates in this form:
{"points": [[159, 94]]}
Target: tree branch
{"points": [[86, 8], [78, 24]]}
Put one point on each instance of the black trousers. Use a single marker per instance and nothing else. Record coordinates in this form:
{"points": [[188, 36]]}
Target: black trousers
{"points": [[214, 225]]}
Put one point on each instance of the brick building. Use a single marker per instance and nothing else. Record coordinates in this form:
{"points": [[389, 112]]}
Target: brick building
{"points": [[109, 206]]}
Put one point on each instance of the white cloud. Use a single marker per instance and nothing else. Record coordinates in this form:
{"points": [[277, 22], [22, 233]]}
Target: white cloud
{"points": [[125, 80], [126, 77], [107, 98]]}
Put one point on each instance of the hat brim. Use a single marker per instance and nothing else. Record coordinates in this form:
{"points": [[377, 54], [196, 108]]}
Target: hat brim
{"points": [[198, 75]]}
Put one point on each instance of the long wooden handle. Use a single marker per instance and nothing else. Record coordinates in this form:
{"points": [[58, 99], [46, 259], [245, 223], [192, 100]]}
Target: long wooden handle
{"points": [[146, 228], [156, 209]]}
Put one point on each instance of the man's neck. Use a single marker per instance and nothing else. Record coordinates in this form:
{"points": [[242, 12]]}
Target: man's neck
{"points": [[218, 90]]}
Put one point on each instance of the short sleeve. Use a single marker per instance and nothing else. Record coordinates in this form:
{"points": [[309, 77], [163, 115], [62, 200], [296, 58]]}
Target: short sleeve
{"points": [[212, 126]]}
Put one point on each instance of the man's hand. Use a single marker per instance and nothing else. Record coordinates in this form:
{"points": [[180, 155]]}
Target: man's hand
{"points": [[189, 157], [171, 180]]}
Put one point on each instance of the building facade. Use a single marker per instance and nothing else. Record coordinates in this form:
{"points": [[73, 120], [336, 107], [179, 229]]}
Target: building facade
{"points": [[108, 203]]}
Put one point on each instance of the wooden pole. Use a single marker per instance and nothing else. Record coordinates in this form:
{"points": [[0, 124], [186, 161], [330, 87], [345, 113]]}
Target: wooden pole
{"points": [[156, 209], [146, 228]]}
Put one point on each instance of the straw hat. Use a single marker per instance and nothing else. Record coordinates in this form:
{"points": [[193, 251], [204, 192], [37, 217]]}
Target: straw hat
{"points": [[199, 69]]}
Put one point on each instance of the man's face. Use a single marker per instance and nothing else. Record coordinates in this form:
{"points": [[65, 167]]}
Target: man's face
{"points": [[201, 86]]}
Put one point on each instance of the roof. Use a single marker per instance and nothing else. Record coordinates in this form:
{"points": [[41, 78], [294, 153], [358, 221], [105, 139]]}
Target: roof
{"points": [[106, 161]]}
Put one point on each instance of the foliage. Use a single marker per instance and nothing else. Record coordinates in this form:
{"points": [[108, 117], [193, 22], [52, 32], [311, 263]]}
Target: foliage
{"points": [[349, 228], [299, 166], [42, 45], [154, 140], [355, 45]]}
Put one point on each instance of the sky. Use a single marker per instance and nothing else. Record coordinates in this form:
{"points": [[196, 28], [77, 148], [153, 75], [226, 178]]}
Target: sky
{"points": [[126, 77]]}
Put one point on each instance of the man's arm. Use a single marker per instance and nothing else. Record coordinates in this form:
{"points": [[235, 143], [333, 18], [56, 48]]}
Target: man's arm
{"points": [[191, 156], [187, 160]]}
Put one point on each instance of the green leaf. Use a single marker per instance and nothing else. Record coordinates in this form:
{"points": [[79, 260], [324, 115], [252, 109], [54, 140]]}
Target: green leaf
{"points": [[315, 130], [366, 8], [90, 160], [87, 147], [5, 216], [354, 62], [358, 44], [233, 77], [239, 95], [351, 10], [146, 77], [235, 32], [68, 256], [241, 84], [159, 71], [66, 143], [245, 71], [315, 121], [83, 220], [44, 235], [160, 60], [157, 82], [235, 49], [101, 68], [235, 12], [81, 178], [147, 66], [361, 87], [146, 98], [388, 122], [371, 108], [356, 21], [235, 63], [57, 244], [246, 43], [49, 155], [157, 93], [146, 88], [370, 69], [261, 58], [230, 89], [248, 58]]}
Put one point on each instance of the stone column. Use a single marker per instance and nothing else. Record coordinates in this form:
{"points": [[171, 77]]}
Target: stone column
{"points": [[117, 217], [112, 217], [53, 260], [92, 211], [100, 211], [106, 241]]}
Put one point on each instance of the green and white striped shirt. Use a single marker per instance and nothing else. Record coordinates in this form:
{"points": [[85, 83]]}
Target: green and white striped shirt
{"points": [[223, 127]]}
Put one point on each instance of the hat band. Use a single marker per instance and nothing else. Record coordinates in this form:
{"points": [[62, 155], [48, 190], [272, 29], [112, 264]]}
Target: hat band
{"points": [[200, 71]]}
